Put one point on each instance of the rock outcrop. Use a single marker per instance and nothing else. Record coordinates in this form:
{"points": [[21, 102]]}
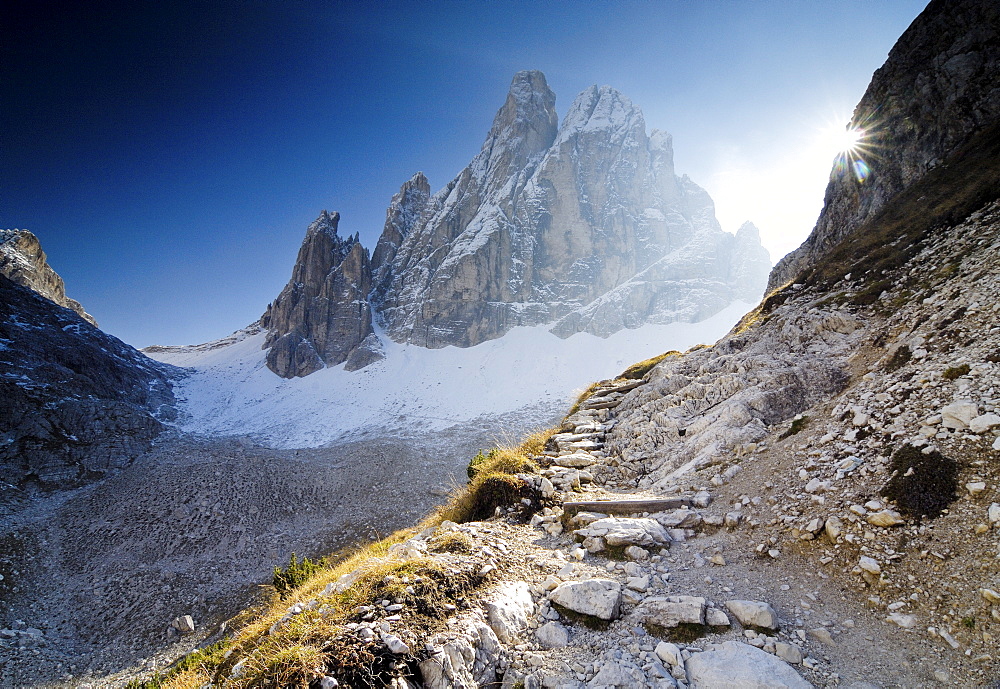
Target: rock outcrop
{"points": [[23, 261], [323, 313], [937, 88], [75, 403], [583, 225]]}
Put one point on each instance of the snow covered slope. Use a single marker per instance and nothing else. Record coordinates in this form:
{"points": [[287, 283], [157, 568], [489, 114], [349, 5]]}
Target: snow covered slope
{"points": [[525, 378]]}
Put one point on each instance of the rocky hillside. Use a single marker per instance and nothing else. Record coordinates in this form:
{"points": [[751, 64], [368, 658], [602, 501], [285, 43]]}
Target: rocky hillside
{"points": [[584, 226], [23, 261], [937, 89], [75, 403], [812, 501]]}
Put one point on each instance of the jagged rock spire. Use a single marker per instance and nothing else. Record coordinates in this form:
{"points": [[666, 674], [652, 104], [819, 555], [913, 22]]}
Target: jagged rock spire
{"points": [[323, 314]]}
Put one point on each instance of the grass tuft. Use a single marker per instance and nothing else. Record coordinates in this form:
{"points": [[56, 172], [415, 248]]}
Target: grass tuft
{"points": [[953, 372], [639, 370]]}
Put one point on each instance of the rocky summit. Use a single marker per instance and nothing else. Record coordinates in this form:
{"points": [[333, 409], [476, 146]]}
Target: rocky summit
{"points": [[23, 261], [584, 226]]}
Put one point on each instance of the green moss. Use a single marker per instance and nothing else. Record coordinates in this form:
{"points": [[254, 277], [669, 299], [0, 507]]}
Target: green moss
{"points": [[589, 621], [683, 633], [953, 372]]}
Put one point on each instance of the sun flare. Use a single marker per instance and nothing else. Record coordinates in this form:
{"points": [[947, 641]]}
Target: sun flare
{"points": [[843, 140]]}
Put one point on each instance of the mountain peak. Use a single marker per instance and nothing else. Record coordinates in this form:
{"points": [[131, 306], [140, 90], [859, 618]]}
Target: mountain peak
{"points": [[326, 223], [749, 231], [601, 108], [23, 261], [525, 126]]}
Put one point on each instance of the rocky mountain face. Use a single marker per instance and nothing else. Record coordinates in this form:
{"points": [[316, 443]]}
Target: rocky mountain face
{"points": [[937, 88], [584, 226], [23, 261], [75, 402], [323, 313]]}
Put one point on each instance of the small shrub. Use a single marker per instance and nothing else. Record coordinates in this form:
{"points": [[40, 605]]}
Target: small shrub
{"points": [[478, 461], [288, 579], [969, 622], [930, 486], [797, 425], [899, 358], [953, 372]]}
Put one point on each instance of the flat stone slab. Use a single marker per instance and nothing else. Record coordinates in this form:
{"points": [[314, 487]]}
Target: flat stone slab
{"points": [[670, 611], [596, 597], [735, 665], [640, 531]]}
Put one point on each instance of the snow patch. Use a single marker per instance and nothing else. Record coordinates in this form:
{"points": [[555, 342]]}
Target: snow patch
{"points": [[230, 391]]}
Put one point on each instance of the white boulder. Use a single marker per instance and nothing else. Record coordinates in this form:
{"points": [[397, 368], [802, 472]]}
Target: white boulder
{"points": [[735, 665], [597, 597]]}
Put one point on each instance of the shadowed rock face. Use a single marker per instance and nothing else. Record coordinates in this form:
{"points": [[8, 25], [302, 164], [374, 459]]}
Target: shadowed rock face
{"points": [[583, 225], [937, 88], [75, 402], [323, 313], [23, 261]]}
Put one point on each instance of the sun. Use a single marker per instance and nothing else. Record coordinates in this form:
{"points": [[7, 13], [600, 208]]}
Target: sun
{"points": [[840, 141], [848, 140], [848, 147]]}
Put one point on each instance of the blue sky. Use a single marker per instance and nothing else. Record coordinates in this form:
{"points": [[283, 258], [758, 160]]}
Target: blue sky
{"points": [[170, 155]]}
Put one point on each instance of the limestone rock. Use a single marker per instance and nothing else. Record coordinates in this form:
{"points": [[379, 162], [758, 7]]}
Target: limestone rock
{"points": [[984, 422], [508, 609], [75, 403], [885, 518], [597, 597], [754, 613], [958, 415], [735, 665], [583, 224], [552, 635], [639, 531], [183, 624], [671, 611], [368, 352], [465, 657], [937, 89]]}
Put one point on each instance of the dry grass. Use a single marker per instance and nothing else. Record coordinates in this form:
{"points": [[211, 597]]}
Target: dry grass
{"points": [[640, 369], [584, 396]]}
